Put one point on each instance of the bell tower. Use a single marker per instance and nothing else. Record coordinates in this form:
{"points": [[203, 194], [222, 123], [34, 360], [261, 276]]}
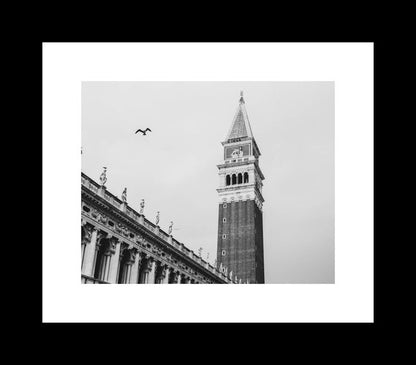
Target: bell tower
{"points": [[240, 203]]}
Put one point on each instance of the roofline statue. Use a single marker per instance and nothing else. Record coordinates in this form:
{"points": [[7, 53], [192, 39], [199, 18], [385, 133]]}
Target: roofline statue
{"points": [[141, 206], [103, 176]]}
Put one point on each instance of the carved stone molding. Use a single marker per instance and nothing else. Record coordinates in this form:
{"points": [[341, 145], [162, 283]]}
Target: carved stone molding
{"points": [[124, 250], [112, 245], [132, 255], [148, 264], [102, 219], [101, 236], [86, 233], [118, 228], [157, 251], [175, 276]]}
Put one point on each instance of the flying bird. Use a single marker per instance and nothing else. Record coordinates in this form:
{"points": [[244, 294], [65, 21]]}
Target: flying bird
{"points": [[144, 132]]}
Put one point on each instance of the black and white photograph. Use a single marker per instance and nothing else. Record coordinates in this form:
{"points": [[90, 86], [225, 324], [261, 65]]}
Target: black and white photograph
{"points": [[207, 182]]}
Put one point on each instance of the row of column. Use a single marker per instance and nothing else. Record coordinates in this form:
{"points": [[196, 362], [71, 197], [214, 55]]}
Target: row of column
{"points": [[104, 258]]}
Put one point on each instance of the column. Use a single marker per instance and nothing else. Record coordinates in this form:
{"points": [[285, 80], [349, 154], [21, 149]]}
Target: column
{"points": [[126, 273], [134, 277], [146, 269], [166, 279], [89, 254], [115, 255], [105, 267], [179, 278], [151, 276], [158, 272]]}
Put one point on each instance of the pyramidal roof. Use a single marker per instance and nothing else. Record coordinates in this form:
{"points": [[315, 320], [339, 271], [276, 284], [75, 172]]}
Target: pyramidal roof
{"points": [[240, 126]]}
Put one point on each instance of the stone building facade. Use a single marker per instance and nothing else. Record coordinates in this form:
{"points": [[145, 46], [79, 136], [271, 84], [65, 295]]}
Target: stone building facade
{"points": [[120, 246], [240, 205]]}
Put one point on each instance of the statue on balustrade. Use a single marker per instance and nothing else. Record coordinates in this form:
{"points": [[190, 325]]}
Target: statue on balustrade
{"points": [[142, 206], [170, 228], [124, 196], [103, 177]]}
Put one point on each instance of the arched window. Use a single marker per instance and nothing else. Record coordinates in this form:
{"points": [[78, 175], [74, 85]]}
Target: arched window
{"points": [[245, 177], [102, 260], [171, 277], [123, 270], [240, 178], [227, 180], [83, 244], [234, 179]]}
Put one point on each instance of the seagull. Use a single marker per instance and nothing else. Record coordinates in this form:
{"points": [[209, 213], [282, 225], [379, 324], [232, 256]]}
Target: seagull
{"points": [[144, 132]]}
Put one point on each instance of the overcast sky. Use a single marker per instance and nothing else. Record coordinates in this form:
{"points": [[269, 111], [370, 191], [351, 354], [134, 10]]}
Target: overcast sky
{"points": [[174, 167]]}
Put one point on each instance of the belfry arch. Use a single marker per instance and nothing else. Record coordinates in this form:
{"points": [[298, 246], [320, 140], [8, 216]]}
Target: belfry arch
{"points": [[245, 177]]}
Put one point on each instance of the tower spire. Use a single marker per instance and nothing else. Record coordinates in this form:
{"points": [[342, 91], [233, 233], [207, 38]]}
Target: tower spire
{"points": [[240, 127]]}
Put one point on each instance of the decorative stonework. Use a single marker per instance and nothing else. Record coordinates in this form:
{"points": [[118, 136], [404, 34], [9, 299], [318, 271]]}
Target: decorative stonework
{"points": [[124, 195], [115, 226], [103, 176], [148, 264], [87, 230], [132, 255], [112, 244], [102, 219]]}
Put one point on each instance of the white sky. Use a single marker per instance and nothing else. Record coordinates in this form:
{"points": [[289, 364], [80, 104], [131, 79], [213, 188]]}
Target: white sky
{"points": [[174, 167]]}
